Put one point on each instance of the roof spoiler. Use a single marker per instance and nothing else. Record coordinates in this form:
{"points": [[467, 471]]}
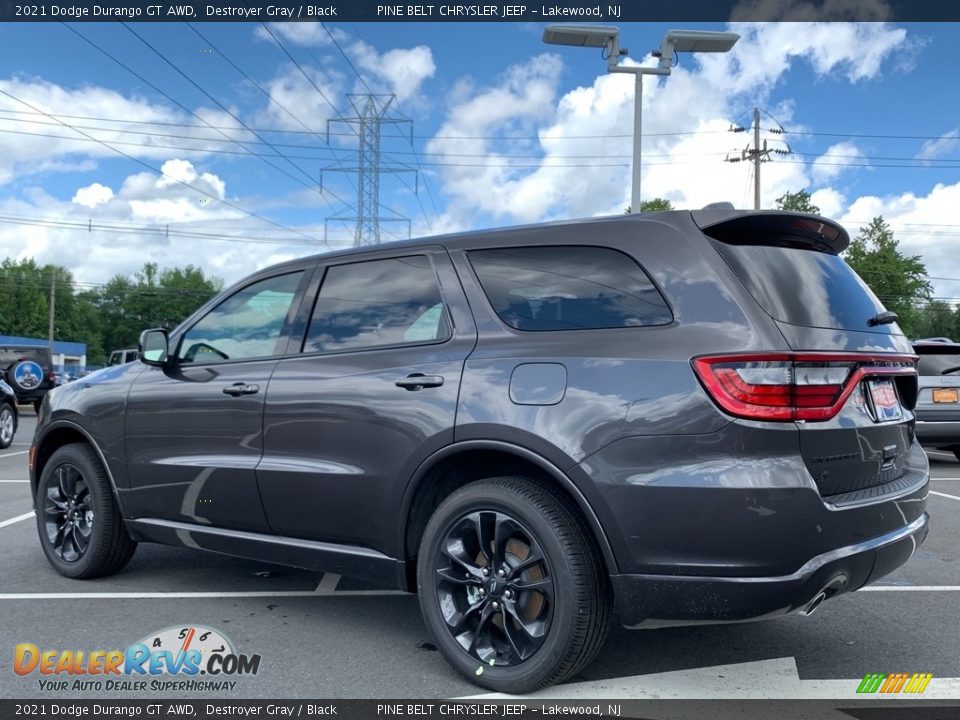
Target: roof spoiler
{"points": [[722, 219]]}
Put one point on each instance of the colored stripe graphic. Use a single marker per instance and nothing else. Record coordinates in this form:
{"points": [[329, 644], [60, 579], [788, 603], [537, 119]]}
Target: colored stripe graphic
{"points": [[894, 683]]}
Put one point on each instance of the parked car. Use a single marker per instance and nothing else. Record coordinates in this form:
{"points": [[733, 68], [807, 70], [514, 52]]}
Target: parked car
{"points": [[8, 415], [938, 402], [121, 357], [692, 417], [29, 371]]}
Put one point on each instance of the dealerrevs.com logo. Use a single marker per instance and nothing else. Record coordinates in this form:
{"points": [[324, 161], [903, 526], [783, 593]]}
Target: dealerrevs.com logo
{"points": [[188, 658]]}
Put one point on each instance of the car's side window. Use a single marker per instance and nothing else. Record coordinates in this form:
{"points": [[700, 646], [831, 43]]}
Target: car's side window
{"points": [[245, 325], [378, 303], [568, 288]]}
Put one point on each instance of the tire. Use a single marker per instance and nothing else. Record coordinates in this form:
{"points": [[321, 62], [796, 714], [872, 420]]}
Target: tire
{"points": [[570, 610], [25, 383], [956, 453], [97, 544], [8, 425]]}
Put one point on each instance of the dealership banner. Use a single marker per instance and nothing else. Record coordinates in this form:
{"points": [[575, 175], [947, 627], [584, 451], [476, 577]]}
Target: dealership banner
{"points": [[521, 709], [517, 11]]}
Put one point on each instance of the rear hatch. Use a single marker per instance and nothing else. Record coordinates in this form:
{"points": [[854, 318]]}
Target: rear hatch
{"points": [[850, 384]]}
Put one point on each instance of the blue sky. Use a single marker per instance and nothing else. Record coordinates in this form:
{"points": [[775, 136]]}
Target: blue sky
{"points": [[507, 130]]}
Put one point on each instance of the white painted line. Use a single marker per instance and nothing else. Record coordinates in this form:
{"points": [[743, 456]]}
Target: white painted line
{"points": [[17, 519], [327, 584], [21, 452], [165, 595], [14, 481], [775, 679], [910, 588], [935, 477], [940, 494]]}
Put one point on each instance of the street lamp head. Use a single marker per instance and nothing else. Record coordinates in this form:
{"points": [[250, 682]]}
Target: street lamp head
{"points": [[580, 35], [700, 41]]}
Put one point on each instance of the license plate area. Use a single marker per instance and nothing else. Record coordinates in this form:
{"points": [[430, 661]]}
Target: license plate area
{"points": [[946, 395], [884, 400]]}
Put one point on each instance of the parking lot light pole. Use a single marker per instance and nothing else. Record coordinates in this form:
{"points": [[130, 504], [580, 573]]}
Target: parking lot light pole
{"points": [[608, 38]]}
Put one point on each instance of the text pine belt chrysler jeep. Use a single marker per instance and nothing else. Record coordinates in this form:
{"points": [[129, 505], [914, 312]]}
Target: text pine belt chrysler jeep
{"points": [[686, 417]]}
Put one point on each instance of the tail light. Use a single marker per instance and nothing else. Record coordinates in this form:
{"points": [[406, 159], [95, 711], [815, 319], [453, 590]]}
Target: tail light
{"points": [[791, 386]]}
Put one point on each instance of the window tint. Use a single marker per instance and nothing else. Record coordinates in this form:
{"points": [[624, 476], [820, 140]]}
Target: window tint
{"points": [[245, 325], [802, 285], [377, 303], [568, 288]]}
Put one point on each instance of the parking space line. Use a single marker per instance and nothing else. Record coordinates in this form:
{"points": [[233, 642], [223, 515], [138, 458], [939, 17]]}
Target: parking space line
{"points": [[327, 584], [19, 452], [910, 588], [940, 494], [17, 519], [14, 481], [165, 595]]}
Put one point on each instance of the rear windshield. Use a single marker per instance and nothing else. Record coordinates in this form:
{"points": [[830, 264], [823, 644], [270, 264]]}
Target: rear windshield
{"points": [[11, 355], [803, 285], [568, 288], [935, 360]]}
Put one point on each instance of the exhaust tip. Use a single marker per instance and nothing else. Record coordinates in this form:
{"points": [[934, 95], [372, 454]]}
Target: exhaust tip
{"points": [[815, 603]]}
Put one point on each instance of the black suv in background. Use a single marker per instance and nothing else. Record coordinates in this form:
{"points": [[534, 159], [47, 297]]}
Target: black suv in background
{"points": [[29, 371], [690, 416]]}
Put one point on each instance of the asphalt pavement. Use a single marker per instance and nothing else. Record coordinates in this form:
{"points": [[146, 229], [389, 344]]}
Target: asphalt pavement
{"points": [[321, 636]]}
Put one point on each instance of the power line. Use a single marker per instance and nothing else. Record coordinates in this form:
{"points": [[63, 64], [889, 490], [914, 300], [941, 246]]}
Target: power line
{"points": [[177, 180]]}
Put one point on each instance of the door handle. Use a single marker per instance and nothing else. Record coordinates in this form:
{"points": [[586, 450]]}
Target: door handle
{"points": [[419, 381], [238, 389]]}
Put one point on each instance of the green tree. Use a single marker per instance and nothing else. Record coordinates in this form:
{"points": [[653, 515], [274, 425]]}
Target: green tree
{"points": [[151, 298], [798, 202], [900, 281], [937, 319], [655, 205]]}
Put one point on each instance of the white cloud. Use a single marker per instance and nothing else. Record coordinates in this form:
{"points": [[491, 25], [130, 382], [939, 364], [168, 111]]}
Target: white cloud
{"points": [[401, 70], [299, 102], [583, 139], [832, 163], [307, 33], [92, 195], [32, 142], [947, 144], [830, 201]]}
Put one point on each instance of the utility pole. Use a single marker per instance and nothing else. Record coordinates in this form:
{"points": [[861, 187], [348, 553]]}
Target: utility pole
{"points": [[758, 153], [53, 304], [370, 113]]}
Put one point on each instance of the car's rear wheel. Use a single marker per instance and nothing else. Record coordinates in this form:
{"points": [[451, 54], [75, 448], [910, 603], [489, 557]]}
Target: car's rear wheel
{"points": [[8, 425], [81, 530], [512, 586]]}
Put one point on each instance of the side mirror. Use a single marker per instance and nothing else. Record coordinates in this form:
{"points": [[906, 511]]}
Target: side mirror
{"points": [[153, 347]]}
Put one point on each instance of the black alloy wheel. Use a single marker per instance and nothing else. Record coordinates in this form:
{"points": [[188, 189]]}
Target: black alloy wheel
{"points": [[68, 514], [495, 588], [512, 585], [81, 530]]}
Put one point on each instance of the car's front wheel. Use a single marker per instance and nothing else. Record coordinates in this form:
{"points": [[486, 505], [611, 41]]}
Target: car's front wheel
{"points": [[81, 530], [512, 586]]}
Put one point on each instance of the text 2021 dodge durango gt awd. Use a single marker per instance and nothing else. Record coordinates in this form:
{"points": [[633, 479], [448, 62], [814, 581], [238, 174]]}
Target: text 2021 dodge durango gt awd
{"points": [[683, 417]]}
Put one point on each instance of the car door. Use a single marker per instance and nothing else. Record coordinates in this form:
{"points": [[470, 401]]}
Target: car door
{"points": [[194, 428], [371, 395]]}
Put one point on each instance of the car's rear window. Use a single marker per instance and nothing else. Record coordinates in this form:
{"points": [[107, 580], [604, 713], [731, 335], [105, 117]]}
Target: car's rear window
{"points": [[935, 360], [798, 283], [568, 288]]}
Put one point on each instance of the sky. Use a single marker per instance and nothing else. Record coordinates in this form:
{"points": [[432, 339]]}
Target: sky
{"points": [[208, 145]]}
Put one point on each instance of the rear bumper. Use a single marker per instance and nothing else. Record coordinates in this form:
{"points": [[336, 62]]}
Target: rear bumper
{"points": [[664, 600], [936, 432]]}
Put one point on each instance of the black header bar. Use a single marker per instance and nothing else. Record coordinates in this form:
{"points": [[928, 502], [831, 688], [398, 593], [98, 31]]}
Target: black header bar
{"points": [[516, 11]]}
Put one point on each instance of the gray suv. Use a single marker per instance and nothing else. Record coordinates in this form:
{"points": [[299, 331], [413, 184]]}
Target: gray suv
{"points": [[683, 417]]}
